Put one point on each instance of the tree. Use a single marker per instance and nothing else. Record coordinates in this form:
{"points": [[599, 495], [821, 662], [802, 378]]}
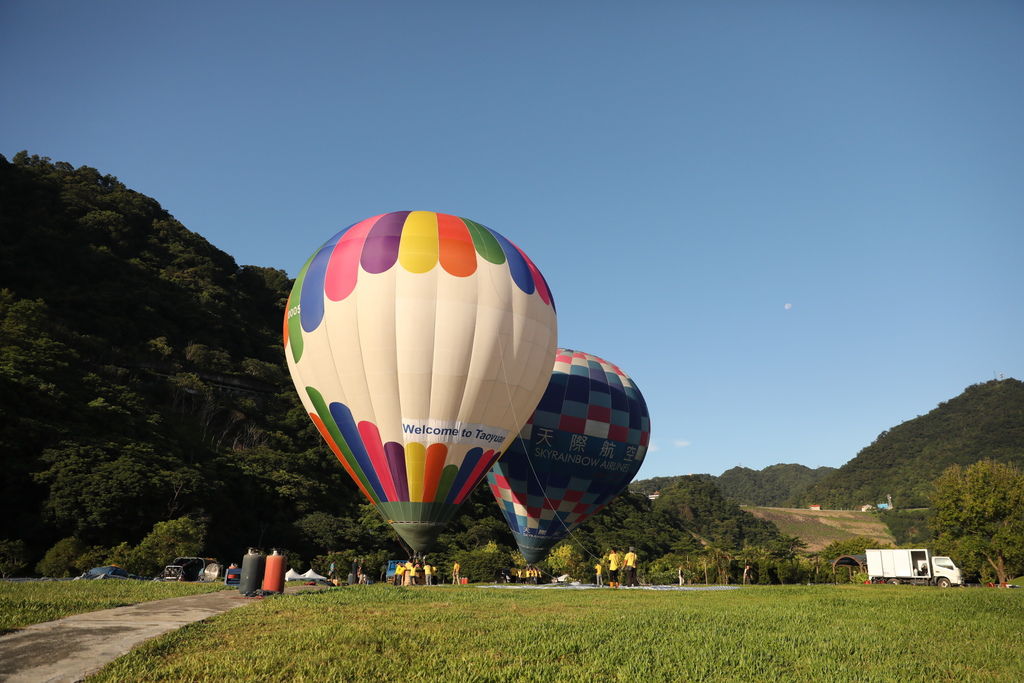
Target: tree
{"points": [[979, 517], [62, 559], [849, 546], [484, 564], [567, 558], [12, 557], [182, 537]]}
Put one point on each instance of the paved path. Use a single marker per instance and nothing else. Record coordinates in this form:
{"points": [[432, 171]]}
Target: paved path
{"points": [[74, 647]]}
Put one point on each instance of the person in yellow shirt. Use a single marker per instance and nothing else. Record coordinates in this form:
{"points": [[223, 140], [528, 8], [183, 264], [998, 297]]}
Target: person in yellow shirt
{"points": [[456, 576], [599, 581], [399, 570], [428, 574], [614, 560], [410, 573], [629, 562]]}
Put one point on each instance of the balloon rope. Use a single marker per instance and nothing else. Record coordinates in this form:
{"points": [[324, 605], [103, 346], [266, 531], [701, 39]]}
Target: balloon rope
{"points": [[536, 477]]}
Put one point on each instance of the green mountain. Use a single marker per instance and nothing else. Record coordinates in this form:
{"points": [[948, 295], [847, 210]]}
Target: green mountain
{"points": [[647, 487], [689, 513], [142, 376], [776, 485], [985, 421]]}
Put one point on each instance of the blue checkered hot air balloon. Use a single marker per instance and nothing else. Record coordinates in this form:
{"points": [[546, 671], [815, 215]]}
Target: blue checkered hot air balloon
{"points": [[583, 445]]}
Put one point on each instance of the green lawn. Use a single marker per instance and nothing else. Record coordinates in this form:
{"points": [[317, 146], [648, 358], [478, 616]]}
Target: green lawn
{"points": [[785, 633], [30, 602]]}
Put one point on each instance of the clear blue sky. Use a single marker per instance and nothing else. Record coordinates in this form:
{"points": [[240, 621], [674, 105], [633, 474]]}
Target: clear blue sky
{"points": [[680, 172]]}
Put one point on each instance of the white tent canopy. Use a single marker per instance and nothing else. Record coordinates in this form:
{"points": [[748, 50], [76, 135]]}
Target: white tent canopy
{"points": [[311, 575]]}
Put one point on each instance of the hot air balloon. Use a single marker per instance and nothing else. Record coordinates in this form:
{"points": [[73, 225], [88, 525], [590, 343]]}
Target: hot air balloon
{"points": [[419, 343], [581, 447]]}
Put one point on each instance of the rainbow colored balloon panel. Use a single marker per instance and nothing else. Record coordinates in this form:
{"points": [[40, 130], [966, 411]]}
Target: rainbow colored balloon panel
{"points": [[417, 241], [418, 342]]}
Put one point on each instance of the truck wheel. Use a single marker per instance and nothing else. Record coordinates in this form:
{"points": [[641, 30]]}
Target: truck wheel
{"points": [[894, 582], [943, 583]]}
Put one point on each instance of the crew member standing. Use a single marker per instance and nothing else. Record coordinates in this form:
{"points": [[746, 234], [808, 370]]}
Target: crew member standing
{"points": [[399, 570], [614, 560], [599, 580], [630, 566], [428, 573], [456, 577], [409, 578]]}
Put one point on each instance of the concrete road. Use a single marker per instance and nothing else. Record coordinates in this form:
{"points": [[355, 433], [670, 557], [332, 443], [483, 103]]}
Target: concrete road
{"points": [[72, 648]]}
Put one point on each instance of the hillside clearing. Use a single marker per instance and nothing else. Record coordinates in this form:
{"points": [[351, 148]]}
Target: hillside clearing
{"points": [[818, 528]]}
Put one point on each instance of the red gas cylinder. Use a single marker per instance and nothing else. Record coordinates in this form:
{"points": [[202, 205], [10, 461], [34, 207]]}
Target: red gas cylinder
{"points": [[273, 576]]}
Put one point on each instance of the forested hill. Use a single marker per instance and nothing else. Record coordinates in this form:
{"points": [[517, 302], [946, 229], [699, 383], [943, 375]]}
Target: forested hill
{"points": [[985, 421], [776, 485], [141, 374], [145, 404]]}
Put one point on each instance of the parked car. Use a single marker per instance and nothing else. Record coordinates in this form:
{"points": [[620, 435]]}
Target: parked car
{"points": [[191, 569], [111, 571]]}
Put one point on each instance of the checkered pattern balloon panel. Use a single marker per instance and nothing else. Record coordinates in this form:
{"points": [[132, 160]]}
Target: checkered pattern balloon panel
{"points": [[581, 448]]}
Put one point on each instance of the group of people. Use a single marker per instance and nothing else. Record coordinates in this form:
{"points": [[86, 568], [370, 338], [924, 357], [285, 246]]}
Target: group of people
{"points": [[529, 574], [418, 572], [414, 573], [618, 563]]}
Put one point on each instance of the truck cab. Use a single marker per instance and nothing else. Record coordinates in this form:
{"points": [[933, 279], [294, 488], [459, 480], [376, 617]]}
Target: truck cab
{"points": [[945, 573]]}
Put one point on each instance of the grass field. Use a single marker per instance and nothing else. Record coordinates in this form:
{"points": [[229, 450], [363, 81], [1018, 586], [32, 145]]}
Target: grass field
{"points": [[30, 602], [818, 528], [786, 633]]}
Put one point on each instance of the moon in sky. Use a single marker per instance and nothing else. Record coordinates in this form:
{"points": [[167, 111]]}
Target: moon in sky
{"points": [[788, 306]]}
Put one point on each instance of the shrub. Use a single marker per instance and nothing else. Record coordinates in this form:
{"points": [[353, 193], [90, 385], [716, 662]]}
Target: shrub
{"points": [[566, 558], [63, 559], [180, 537], [12, 557], [484, 564]]}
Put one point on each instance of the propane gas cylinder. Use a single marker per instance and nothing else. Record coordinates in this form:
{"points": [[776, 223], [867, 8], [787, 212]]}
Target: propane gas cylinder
{"points": [[273, 577], [252, 571]]}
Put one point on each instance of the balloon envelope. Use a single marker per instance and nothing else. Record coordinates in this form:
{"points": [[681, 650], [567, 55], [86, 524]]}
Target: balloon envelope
{"points": [[419, 343], [581, 447]]}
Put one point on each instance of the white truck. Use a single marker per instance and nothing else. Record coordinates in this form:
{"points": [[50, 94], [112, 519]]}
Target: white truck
{"points": [[916, 566]]}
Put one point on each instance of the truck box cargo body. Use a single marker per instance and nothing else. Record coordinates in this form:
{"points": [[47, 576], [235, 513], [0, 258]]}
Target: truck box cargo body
{"points": [[917, 566]]}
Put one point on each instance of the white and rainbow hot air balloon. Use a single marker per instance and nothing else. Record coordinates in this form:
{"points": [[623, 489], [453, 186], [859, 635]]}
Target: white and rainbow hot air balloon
{"points": [[419, 344]]}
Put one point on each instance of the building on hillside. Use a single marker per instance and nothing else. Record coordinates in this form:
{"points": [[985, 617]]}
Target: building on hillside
{"points": [[867, 508], [654, 496], [813, 507]]}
